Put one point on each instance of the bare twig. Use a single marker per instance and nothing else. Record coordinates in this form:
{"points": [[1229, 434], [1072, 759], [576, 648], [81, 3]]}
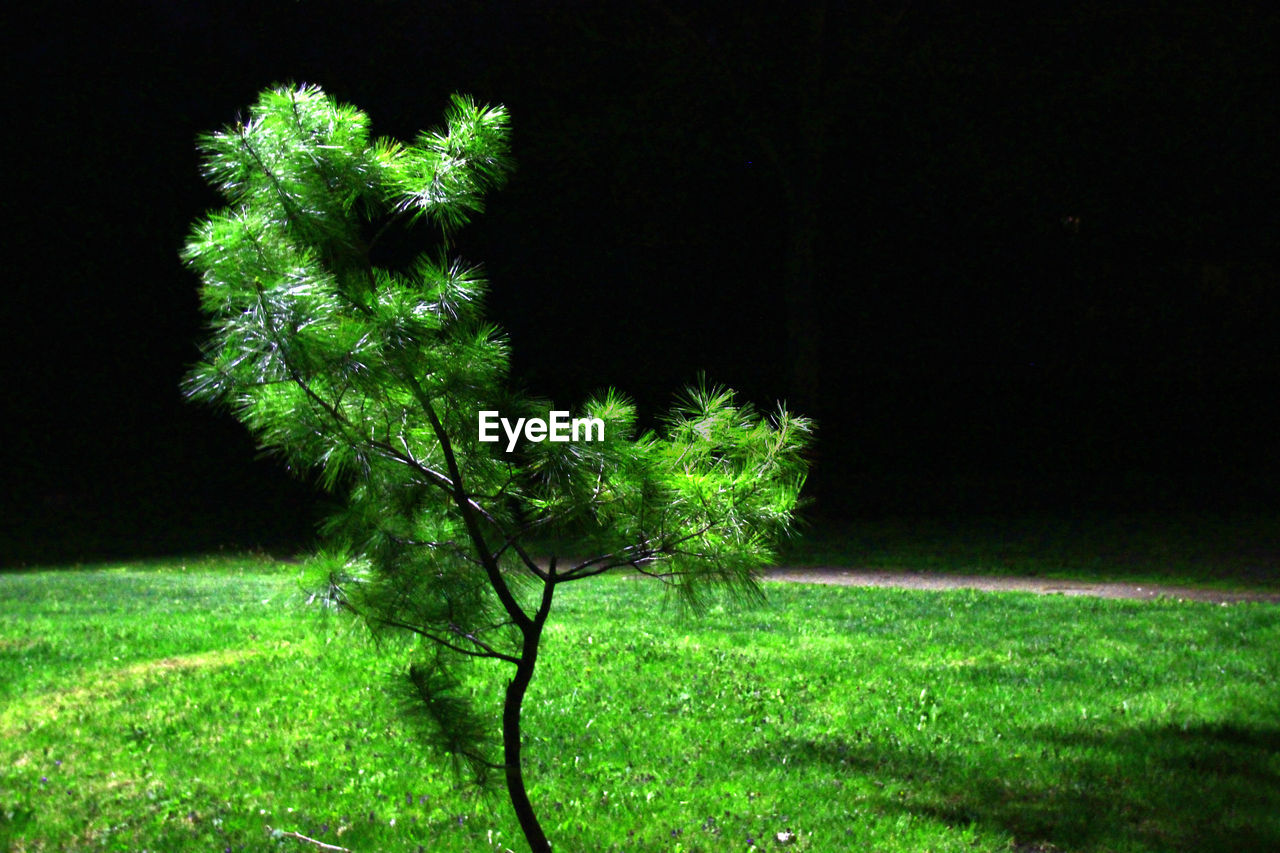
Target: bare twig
{"points": [[282, 833]]}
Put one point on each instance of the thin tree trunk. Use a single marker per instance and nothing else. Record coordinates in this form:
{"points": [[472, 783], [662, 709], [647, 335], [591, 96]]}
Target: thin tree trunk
{"points": [[516, 689]]}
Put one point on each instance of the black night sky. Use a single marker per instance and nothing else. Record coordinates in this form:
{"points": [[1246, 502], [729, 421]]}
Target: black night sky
{"points": [[1010, 264]]}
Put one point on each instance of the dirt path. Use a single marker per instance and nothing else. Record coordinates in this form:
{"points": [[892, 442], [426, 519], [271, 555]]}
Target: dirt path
{"points": [[906, 579]]}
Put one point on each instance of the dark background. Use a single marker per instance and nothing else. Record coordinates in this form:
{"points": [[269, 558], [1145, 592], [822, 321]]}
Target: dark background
{"points": [[1011, 264]]}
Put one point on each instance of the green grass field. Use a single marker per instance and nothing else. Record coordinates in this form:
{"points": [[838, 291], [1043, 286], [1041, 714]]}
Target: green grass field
{"points": [[189, 707]]}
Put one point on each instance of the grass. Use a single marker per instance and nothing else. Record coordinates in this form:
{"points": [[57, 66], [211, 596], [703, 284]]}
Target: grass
{"points": [[189, 707]]}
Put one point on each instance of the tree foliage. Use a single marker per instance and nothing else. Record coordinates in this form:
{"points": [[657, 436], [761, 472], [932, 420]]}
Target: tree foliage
{"points": [[372, 378]]}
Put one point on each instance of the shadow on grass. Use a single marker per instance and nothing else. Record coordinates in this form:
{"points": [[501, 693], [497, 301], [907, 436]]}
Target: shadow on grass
{"points": [[1203, 788]]}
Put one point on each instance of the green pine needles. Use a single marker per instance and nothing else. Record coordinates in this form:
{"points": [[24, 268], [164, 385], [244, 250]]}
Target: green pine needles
{"points": [[372, 378]]}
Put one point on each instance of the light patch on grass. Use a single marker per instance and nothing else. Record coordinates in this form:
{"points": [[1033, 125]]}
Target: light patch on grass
{"points": [[49, 707], [19, 644], [218, 658]]}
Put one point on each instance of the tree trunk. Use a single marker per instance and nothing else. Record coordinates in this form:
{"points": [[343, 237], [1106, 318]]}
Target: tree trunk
{"points": [[516, 688]]}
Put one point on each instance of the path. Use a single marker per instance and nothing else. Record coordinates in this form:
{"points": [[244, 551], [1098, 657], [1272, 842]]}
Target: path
{"points": [[905, 579]]}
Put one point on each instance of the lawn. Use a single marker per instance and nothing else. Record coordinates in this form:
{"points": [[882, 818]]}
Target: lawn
{"points": [[191, 706]]}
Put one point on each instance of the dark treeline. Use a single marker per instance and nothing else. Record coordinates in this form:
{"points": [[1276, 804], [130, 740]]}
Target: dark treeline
{"points": [[1008, 263]]}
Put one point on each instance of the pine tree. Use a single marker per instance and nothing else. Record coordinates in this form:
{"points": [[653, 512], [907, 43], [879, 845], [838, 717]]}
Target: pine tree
{"points": [[373, 378]]}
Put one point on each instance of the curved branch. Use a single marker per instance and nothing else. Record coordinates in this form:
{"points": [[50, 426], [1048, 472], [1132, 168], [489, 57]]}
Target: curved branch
{"points": [[487, 651]]}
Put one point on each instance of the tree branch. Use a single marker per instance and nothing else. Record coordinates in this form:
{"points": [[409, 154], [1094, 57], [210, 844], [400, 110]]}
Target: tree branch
{"points": [[283, 833], [633, 555], [471, 637], [488, 651], [466, 505]]}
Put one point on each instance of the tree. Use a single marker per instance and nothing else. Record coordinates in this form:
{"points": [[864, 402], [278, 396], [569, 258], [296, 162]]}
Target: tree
{"points": [[375, 379]]}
